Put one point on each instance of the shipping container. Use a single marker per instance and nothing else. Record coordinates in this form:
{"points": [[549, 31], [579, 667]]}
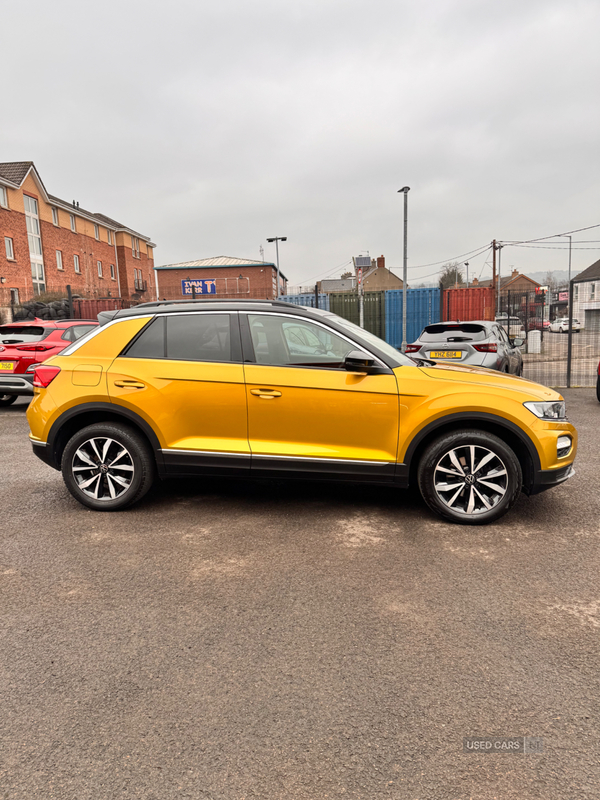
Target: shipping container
{"points": [[307, 299], [422, 308], [477, 302], [346, 305]]}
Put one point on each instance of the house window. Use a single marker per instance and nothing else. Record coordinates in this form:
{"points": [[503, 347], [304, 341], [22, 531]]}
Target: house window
{"points": [[14, 297], [76, 263], [149, 251], [97, 232], [109, 236], [73, 225], [593, 291], [99, 263], [10, 250], [135, 247], [3, 197], [55, 216], [112, 272], [576, 292], [59, 261]]}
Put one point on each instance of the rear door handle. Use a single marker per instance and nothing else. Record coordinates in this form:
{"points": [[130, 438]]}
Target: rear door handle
{"points": [[130, 384], [265, 394]]}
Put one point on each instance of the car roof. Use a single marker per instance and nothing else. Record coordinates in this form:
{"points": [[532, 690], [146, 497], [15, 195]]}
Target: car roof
{"points": [[188, 306]]}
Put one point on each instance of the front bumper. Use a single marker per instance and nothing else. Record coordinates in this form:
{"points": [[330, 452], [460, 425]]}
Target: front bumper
{"points": [[547, 478], [17, 384]]}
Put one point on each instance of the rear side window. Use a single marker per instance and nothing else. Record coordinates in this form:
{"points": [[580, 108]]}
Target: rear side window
{"points": [[151, 341], [464, 332], [188, 337], [199, 337], [15, 334]]}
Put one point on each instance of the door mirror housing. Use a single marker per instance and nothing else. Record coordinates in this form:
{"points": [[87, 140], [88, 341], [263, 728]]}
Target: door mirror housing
{"points": [[357, 361], [518, 342]]}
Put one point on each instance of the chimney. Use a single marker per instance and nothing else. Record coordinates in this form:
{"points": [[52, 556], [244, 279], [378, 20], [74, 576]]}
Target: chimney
{"points": [[475, 282], [515, 272], [381, 262]]}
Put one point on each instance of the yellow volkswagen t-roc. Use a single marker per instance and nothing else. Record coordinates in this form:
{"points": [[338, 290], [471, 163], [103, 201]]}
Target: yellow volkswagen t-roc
{"points": [[266, 388]]}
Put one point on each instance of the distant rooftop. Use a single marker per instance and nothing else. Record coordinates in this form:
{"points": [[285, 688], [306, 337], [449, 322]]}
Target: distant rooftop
{"points": [[219, 261]]}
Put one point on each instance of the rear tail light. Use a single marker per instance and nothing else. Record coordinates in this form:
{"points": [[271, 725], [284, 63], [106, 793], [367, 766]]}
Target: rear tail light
{"points": [[44, 376], [35, 348], [413, 348], [486, 348]]}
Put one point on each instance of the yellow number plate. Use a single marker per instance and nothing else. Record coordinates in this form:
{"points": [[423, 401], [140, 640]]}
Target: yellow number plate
{"points": [[445, 354], [7, 366]]}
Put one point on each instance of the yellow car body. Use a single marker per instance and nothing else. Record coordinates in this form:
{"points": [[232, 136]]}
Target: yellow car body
{"points": [[240, 417]]}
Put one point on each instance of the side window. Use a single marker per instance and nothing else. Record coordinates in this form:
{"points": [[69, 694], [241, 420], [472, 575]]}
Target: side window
{"points": [[68, 335], [502, 335], [151, 341], [81, 330], [282, 341], [199, 337]]}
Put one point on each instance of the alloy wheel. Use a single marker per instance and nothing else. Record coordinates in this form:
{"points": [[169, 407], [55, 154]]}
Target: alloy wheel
{"points": [[470, 479], [103, 468]]}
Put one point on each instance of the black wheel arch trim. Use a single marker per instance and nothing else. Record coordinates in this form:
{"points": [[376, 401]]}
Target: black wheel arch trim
{"points": [[114, 410], [473, 417]]}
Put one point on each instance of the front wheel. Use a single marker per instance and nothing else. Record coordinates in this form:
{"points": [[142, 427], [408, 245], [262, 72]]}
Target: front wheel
{"points": [[107, 466], [598, 388], [471, 477], [7, 399]]}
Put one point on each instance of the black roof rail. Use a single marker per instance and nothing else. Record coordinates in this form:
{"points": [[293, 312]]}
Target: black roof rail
{"points": [[272, 302]]}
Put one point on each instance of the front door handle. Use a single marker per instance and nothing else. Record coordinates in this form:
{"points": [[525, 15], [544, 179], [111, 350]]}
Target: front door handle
{"points": [[265, 394], [130, 384]]}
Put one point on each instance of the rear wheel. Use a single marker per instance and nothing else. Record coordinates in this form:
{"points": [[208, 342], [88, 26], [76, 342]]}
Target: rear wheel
{"points": [[107, 466], [471, 477], [598, 388], [7, 399]]}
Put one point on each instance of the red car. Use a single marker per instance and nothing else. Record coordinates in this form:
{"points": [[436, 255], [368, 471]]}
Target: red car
{"points": [[24, 345]]}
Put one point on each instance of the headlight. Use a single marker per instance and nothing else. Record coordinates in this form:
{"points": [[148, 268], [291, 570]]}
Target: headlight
{"points": [[552, 411]]}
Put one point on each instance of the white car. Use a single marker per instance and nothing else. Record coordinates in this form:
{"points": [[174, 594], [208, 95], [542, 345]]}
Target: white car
{"points": [[513, 326], [562, 325]]}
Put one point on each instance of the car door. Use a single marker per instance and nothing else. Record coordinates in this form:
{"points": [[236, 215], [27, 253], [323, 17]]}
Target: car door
{"points": [[183, 374], [306, 413]]}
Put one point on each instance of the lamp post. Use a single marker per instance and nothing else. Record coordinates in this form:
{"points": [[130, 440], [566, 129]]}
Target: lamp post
{"points": [[405, 190], [499, 249], [277, 239], [467, 266], [568, 236]]}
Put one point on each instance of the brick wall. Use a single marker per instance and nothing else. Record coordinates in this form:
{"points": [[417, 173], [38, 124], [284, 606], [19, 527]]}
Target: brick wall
{"points": [[260, 281], [17, 273], [89, 250]]}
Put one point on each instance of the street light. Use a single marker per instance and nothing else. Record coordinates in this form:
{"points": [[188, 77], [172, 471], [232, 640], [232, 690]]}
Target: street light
{"points": [[277, 239], [467, 266], [405, 190]]}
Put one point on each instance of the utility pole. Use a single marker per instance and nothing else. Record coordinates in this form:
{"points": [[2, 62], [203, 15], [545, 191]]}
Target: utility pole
{"points": [[405, 190], [499, 246], [277, 239], [494, 271]]}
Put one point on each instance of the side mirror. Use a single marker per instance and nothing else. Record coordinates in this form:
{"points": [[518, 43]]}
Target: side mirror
{"points": [[357, 361], [518, 342]]}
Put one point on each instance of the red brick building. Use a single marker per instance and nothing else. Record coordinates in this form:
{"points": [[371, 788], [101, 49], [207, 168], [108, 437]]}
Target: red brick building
{"points": [[219, 276], [47, 244]]}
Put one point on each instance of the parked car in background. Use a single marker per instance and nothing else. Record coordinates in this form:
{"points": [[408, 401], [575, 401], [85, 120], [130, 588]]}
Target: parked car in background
{"points": [[562, 325], [24, 345], [478, 343], [267, 389], [513, 326], [537, 324]]}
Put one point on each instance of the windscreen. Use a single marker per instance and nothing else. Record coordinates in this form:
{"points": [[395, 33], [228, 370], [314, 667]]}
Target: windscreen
{"points": [[370, 339], [463, 332], [16, 334]]}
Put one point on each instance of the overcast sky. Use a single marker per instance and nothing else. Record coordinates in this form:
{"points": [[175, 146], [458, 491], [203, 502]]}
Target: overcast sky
{"points": [[210, 126]]}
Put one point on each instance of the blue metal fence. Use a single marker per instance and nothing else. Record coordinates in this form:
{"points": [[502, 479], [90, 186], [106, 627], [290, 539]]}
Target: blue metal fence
{"points": [[423, 308], [307, 299]]}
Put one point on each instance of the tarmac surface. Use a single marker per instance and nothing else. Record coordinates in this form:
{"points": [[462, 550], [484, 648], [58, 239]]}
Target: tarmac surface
{"points": [[302, 641]]}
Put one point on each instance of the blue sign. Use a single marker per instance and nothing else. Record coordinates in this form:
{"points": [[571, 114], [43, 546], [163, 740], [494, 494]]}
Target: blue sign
{"points": [[200, 286]]}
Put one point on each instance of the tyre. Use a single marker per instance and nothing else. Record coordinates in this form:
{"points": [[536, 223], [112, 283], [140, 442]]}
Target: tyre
{"points": [[598, 388], [107, 466], [471, 477], [7, 399]]}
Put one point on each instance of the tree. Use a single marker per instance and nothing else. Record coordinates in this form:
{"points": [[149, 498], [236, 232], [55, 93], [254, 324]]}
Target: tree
{"points": [[451, 275], [550, 281]]}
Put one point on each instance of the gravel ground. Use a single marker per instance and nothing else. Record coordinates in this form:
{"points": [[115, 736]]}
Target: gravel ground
{"points": [[303, 641]]}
